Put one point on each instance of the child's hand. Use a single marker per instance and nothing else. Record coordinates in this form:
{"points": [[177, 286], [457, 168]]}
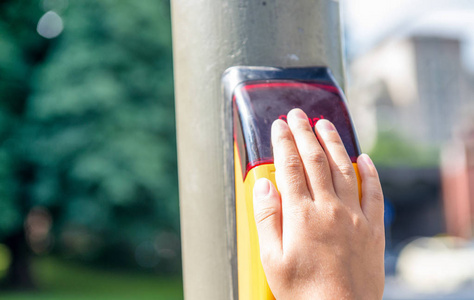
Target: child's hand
{"points": [[316, 240]]}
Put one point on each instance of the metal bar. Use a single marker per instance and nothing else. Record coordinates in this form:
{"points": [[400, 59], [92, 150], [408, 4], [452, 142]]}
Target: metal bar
{"points": [[208, 37]]}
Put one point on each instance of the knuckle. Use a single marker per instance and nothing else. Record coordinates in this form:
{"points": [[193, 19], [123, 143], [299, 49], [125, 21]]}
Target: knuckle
{"points": [[316, 157], [265, 214], [292, 162], [334, 212], [357, 221], [333, 138], [347, 170]]}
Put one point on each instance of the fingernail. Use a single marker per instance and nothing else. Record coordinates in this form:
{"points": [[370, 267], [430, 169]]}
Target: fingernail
{"points": [[367, 160], [298, 113], [325, 125], [261, 188]]}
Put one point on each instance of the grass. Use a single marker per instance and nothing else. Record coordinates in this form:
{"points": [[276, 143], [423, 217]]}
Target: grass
{"points": [[65, 280]]}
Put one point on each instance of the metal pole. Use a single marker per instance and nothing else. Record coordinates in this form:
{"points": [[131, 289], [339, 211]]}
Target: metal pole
{"points": [[208, 37]]}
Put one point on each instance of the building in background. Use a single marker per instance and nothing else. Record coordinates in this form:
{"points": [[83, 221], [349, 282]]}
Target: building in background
{"points": [[410, 90], [416, 88], [415, 84]]}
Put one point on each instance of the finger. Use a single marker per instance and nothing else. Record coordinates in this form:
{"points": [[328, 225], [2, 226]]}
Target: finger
{"points": [[313, 156], [289, 171], [267, 212], [372, 196], [342, 171]]}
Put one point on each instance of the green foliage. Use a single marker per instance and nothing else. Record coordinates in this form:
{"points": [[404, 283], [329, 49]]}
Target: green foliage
{"points": [[93, 122], [392, 149], [102, 124], [10, 212], [20, 48]]}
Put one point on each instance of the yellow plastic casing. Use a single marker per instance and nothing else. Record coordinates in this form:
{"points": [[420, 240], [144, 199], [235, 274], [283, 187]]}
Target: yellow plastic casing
{"points": [[251, 278]]}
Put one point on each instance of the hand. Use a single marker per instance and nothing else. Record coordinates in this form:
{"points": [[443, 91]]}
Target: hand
{"points": [[316, 240]]}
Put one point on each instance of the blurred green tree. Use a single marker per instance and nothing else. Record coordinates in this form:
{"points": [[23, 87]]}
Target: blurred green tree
{"points": [[101, 132], [93, 141], [21, 50]]}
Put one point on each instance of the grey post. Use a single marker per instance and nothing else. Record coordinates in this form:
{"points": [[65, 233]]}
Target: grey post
{"points": [[208, 37]]}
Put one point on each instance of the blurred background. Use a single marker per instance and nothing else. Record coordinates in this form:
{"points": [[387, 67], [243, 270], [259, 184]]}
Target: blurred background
{"points": [[88, 180], [410, 66]]}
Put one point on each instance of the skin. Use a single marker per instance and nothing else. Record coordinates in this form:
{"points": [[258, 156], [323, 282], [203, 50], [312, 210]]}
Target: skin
{"points": [[317, 241]]}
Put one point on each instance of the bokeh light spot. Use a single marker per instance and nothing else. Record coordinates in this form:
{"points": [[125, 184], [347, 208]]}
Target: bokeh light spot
{"points": [[50, 25]]}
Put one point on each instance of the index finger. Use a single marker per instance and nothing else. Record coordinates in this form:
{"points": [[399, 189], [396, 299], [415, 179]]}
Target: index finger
{"points": [[289, 174]]}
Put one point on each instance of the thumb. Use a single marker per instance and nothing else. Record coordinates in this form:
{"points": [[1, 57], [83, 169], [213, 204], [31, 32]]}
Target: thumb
{"points": [[267, 211]]}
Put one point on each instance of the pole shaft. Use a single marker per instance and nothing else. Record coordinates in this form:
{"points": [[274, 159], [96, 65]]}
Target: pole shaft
{"points": [[208, 37]]}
